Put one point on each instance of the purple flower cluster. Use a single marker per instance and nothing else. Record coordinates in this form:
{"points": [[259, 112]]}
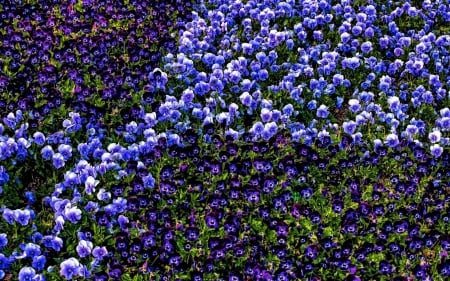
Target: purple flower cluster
{"points": [[75, 53], [279, 190]]}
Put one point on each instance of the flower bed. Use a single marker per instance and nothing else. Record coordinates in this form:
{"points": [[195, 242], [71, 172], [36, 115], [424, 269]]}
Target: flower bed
{"points": [[224, 140]]}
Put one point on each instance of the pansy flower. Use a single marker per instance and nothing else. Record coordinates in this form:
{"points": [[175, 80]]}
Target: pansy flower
{"points": [[212, 221], [253, 196]]}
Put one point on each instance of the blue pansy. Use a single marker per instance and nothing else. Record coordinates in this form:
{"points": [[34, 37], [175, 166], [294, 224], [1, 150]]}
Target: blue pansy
{"points": [[27, 274], [3, 240], [22, 216], [322, 111], [58, 160], [39, 138], [312, 104], [4, 177], [72, 214], [392, 140], [31, 250], [47, 152], [84, 248], [69, 268]]}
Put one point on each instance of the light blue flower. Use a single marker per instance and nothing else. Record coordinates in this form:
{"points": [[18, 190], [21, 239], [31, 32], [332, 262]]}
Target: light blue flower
{"points": [[47, 152], [59, 223], [84, 248], [27, 274], [322, 111], [349, 127], [39, 262], [69, 268], [257, 128], [266, 115], [90, 185], [354, 105], [32, 250], [271, 127], [99, 252], [312, 104], [58, 160], [39, 138], [22, 216], [72, 214], [246, 99], [436, 150], [435, 136], [3, 240], [392, 140], [120, 205]]}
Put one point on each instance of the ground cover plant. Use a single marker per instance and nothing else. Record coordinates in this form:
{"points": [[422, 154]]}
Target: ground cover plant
{"points": [[224, 140]]}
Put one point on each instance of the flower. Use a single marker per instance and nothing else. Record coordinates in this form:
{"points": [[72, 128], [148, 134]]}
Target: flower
{"points": [[70, 268], [4, 177], [266, 115], [366, 47], [90, 184], [104, 195], [53, 242], [47, 152], [352, 63], [435, 136], [436, 150], [84, 248], [187, 96], [253, 196], [246, 99], [306, 193], [22, 216], [322, 111], [39, 262], [27, 274], [3, 240], [58, 160], [73, 214], [385, 268], [31, 250], [39, 138], [354, 105], [4, 262], [349, 127], [392, 140], [65, 150], [99, 252], [212, 221]]}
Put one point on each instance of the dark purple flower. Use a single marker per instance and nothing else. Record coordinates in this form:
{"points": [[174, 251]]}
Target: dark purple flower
{"points": [[311, 252], [269, 185], [215, 168], [253, 196], [102, 218], [148, 240], [306, 192], [115, 272], [212, 221], [192, 233], [444, 268], [337, 205], [385, 268]]}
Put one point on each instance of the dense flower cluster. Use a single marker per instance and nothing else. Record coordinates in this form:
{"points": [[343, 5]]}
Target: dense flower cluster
{"points": [[242, 140], [82, 54]]}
